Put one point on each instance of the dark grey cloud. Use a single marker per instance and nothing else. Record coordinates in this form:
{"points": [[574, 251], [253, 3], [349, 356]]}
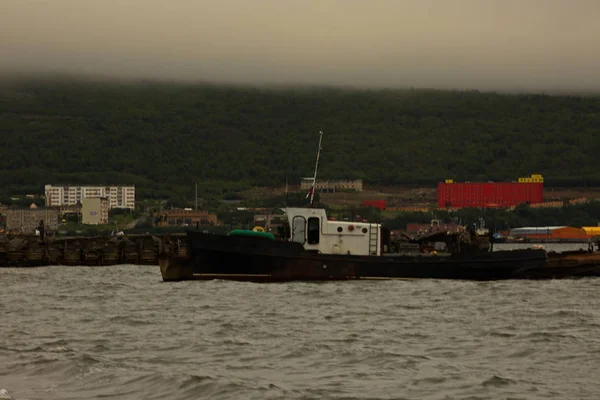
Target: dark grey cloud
{"points": [[482, 44]]}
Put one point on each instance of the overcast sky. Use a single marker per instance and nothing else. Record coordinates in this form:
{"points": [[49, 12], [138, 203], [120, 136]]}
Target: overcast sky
{"points": [[476, 44]]}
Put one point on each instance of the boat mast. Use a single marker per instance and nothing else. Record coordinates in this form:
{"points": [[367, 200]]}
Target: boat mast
{"points": [[314, 182]]}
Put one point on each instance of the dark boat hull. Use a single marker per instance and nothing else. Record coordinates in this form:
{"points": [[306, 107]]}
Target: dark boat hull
{"points": [[260, 260]]}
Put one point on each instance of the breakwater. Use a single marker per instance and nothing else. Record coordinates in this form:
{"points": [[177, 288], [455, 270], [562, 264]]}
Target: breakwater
{"points": [[31, 251]]}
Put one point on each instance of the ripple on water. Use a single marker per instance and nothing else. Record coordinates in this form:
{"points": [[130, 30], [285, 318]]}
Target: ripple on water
{"points": [[121, 332]]}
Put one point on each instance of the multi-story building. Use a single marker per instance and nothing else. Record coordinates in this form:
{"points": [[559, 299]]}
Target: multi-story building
{"points": [[528, 190], [26, 220], [332, 186], [120, 196], [94, 210]]}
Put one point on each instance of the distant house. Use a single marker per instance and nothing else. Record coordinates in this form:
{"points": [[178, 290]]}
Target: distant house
{"points": [[179, 217], [71, 209], [94, 210], [26, 220], [332, 186]]}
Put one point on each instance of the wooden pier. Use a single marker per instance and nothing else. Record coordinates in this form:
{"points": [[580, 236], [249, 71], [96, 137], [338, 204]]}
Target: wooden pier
{"points": [[31, 251]]}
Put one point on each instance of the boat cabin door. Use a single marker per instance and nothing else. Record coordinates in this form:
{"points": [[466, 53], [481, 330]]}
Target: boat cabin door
{"points": [[299, 229], [307, 231]]}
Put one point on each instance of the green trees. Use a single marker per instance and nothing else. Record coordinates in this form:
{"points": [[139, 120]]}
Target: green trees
{"points": [[163, 137]]}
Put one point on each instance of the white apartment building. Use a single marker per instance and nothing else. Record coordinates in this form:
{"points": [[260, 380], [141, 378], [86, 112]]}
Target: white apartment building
{"points": [[120, 196]]}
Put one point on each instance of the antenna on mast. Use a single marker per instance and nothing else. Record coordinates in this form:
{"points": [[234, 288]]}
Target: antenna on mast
{"points": [[314, 182]]}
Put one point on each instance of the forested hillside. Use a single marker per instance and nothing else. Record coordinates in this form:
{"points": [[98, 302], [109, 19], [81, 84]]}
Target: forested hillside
{"points": [[163, 137]]}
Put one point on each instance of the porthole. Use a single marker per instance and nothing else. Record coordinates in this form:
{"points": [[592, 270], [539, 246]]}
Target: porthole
{"points": [[340, 229], [365, 230]]}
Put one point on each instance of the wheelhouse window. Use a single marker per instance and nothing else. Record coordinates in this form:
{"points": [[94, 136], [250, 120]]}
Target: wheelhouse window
{"points": [[298, 229], [314, 227]]}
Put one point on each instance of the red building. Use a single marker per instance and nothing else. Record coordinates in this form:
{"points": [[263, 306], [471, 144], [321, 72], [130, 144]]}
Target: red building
{"points": [[380, 204], [528, 190]]}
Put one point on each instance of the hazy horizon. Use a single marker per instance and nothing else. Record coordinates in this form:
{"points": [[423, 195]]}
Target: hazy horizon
{"points": [[500, 45]]}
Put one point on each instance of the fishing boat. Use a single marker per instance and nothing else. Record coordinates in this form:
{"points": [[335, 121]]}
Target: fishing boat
{"points": [[319, 248]]}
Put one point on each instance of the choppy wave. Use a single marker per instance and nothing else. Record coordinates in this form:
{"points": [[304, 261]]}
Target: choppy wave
{"points": [[120, 332]]}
